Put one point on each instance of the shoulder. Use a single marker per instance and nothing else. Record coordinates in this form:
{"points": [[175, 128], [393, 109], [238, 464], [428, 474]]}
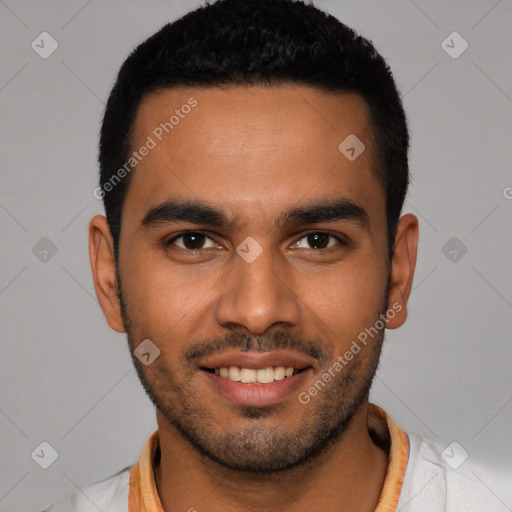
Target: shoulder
{"points": [[446, 479], [108, 495]]}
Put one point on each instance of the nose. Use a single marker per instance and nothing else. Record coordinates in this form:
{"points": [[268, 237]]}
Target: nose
{"points": [[258, 295]]}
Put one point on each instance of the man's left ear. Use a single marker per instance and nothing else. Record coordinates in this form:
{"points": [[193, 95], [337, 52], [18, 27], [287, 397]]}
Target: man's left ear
{"points": [[402, 269]]}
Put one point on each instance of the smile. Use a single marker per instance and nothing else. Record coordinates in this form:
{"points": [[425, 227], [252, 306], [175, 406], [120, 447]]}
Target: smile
{"points": [[256, 376]]}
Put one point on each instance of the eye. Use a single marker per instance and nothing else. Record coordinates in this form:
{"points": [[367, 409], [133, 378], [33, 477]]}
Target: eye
{"points": [[191, 240], [320, 240]]}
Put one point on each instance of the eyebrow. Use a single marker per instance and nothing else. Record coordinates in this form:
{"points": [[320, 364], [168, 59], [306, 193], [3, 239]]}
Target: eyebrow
{"points": [[199, 212]]}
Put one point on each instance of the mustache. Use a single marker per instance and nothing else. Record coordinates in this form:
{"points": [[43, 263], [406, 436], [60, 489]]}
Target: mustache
{"points": [[245, 343]]}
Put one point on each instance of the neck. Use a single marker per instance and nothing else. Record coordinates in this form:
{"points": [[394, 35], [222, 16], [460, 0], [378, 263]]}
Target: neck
{"points": [[349, 475]]}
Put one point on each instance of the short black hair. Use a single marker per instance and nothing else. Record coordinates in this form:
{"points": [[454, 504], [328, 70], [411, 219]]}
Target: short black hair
{"points": [[257, 42]]}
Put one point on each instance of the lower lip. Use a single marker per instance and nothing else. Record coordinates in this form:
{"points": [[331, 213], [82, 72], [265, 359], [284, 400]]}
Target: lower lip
{"points": [[258, 395]]}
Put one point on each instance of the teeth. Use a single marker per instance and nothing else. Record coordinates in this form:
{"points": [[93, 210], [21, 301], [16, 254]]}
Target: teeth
{"points": [[247, 375], [279, 373], [234, 373], [252, 376], [265, 375]]}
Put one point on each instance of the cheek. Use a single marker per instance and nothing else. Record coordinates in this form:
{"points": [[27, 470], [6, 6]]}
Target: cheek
{"points": [[164, 300], [344, 301]]}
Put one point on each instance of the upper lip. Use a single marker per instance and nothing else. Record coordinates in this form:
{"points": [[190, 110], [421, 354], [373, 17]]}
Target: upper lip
{"points": [[257, 360]]}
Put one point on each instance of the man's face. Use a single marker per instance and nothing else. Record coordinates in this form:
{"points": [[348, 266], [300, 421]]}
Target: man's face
{"points": [[257, 288]]}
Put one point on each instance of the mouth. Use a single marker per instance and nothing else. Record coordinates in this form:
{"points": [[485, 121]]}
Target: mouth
{"points": [[257, 379], [259, 376]]}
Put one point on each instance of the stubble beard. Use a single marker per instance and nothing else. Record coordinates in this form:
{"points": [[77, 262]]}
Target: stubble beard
{"points": [[259, 447]]}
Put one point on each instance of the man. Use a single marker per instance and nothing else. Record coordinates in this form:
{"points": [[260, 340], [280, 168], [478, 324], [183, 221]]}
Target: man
{"points": [[254, 165]]}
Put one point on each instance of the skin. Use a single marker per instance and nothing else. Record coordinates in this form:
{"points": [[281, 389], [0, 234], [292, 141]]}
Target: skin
{"points": [[256, 153]]}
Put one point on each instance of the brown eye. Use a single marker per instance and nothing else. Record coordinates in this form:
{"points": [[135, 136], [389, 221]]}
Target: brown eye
{"points": [[320, 240], [191, 240]]}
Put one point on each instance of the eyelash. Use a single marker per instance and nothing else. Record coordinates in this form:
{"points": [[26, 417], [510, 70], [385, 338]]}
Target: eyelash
{"points": [[184, 233]]}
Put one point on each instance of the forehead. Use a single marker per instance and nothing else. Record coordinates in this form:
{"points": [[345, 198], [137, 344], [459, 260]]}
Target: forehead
{"points": [[252, 150]]}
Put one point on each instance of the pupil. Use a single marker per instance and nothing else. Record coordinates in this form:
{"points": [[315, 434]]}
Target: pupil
{"points": [[318, 239], [194, 237]]}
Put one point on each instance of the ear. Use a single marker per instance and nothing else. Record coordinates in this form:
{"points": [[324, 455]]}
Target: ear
{"points": [[101, 255], [402, 269]]}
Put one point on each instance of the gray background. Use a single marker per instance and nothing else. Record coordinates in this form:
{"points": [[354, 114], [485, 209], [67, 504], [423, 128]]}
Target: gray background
{"points": [[67, 379]]}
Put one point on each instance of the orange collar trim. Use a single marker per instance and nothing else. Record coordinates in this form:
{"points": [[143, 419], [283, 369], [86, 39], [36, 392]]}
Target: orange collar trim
{"points": [[397, 461]]}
